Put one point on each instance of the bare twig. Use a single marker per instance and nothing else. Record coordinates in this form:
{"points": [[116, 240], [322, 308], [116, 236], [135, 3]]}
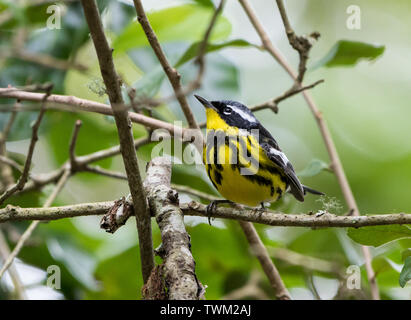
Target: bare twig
{"points": [[11, 163], [273, 103], [307, 262], [250, 289], [171, 73], [202, 49], [178, 266], [194, 192], [14, 213], [71, 103], [6, 173], [302, 45], [26, 169], [72, 148], [44, 60], [259, 250], [124, 128], [34, 224], [15, 278], [336, 164], [106, 173]]}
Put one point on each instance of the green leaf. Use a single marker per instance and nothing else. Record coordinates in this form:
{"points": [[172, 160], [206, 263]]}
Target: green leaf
{"points": [[405, 274], [206, 3], [119, 276], [79, 263], [382, 264], [406, 253], [313, 168], [187, 22], [28, 15], [348, 53], [379, 235], [192, 51]]}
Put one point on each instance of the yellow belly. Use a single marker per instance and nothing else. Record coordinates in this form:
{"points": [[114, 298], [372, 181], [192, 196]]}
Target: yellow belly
{"points": [[243, 189], [244, 181]]}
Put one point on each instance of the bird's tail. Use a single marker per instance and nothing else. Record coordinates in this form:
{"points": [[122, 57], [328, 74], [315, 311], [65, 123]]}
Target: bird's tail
{"points": [[309, 190]]}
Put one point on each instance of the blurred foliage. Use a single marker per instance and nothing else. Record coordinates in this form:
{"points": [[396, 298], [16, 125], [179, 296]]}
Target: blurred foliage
{"points": [[405, 275], [348, 53], [366, 106], [378, 235]]}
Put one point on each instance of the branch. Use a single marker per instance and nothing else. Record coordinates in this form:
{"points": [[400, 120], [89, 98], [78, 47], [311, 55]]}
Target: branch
{"points": [[125, 133], [303, 46], [72, 147], [44, 60], [250, 289], [34, 224], [6, 174], [172, 74], [15, 213], [26, 169], [15, 277], [258, 249], [178, 266], [71, 103], [273, 103], [336, 164], [200, 61], [306, 262]]}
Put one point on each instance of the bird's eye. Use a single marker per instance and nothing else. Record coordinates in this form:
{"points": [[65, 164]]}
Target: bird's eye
{"points": [[227, 110]]}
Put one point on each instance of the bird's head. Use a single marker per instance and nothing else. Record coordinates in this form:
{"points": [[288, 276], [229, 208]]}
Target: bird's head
{"points": [[232, 113]]}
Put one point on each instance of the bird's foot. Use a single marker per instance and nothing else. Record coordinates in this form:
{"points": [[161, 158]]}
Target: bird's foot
{"points": [[262, 209], [213, 206]]}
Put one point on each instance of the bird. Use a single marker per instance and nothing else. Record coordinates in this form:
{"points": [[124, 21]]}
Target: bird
{"points": [[243, 160]]}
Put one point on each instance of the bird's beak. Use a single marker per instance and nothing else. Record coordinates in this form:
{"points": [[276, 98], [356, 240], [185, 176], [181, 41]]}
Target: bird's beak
{"points": [[204, 102]]}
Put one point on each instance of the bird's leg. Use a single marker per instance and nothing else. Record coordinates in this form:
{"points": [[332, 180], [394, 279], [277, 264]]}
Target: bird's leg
{"points": [[261, 210], [213, 206]]}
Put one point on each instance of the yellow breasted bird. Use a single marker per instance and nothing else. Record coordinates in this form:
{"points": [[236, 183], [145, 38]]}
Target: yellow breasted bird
{"points": [[243, 160]]}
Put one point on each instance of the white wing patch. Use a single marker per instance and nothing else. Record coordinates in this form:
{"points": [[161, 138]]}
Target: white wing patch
{"points": [[243, 114], [283, 157]]}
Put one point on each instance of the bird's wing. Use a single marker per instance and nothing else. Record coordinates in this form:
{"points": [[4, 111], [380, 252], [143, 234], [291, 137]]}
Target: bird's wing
{"points": [[274, 153]]}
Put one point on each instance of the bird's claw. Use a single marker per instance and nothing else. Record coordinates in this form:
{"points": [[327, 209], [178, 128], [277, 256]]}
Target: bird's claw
{"points": [[210, 210], [211, 207]]}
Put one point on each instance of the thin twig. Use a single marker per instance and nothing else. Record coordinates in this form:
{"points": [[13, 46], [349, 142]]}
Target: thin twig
{"points": [[202, 49], [306, 262], [194, 192], [15, 278], [302, 45], [34, 224], [273, 103], [250, 289], [72, 147], [172, 73], [260, 251], [6, 174], [26, 169], [11, 163], [71, 103], [336, 164], [125, 133], [106, 173], [44, 60]]}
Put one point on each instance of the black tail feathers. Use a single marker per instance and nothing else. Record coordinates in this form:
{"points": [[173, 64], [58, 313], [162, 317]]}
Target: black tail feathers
{"points": [[309, 190]]}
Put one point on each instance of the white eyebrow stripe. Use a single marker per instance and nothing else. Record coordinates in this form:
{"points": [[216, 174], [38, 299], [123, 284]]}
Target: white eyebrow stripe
{"points": [[242, 114]]}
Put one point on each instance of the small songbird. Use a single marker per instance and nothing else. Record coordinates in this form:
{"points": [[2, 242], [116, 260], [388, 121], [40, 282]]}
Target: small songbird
{"points": [[243, 160]]}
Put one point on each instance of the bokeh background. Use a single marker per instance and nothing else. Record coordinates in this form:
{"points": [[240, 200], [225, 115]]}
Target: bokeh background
{"points": [[366, 105]]}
